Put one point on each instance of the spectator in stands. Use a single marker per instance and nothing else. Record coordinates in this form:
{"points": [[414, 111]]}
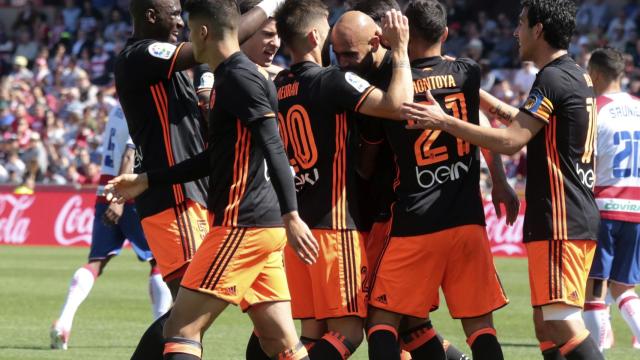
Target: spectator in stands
{"points": [[26, 46], [117, 29], [90, 18], [524, 77]]}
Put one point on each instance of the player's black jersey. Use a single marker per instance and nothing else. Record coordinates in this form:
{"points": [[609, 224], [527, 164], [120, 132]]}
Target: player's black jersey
{"points": [[438, 181], [244, 151], [377, 198], [560, 157], [164, 121], [316, 126]]}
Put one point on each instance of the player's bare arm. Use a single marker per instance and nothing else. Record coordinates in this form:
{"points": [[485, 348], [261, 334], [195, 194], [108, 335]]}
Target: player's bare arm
{"points": [[395, 30], [501, 191], [502, 111], [114, 211], [126, 187], [504, 141]]}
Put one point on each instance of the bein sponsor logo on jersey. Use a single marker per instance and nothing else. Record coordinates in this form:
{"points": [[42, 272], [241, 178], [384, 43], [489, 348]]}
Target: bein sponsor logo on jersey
{"points": [[307, 177], [587, 177], [428, 178]]}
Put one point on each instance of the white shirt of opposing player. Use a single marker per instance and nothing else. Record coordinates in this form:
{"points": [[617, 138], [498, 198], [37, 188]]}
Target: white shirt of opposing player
{"points": [[115, 140], [618, 153]]}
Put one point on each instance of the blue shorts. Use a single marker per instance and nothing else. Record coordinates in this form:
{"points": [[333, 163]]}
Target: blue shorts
{"points": [[617, 256], [107, 240]]}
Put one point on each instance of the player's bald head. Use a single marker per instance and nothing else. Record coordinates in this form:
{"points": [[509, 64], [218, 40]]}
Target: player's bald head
{"points": [[354, 26], [355, 39]]}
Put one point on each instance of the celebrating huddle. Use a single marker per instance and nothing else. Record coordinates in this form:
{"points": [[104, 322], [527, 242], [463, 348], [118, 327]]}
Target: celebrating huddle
{"points": [[347, 196]]}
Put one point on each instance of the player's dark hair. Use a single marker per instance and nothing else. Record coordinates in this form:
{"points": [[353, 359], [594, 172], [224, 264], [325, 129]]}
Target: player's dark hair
{"points": [[376, 9], [607, 61], [223, 15], [558, 19], [295, 17], [427, 20], [246, 5]]}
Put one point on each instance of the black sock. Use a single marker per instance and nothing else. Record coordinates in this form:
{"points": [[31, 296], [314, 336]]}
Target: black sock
{"points": [[180, 356], [308, 342], [383, 343], [254, 350], [552, 354], [177, 348], [423, 343], [332, 346], [486, 347], [452, 352], [151, 345], [586, 350]]}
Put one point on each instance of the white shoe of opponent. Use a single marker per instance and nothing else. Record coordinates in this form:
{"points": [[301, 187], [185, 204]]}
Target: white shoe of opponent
{"points": [[59, 337]]}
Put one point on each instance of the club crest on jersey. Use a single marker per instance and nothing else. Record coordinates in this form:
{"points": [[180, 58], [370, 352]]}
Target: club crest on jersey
{"points": [[162, 50], [356, 81]]}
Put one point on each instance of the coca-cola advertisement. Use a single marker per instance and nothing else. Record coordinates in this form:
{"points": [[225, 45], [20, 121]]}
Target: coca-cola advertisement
{"points": [[64, 217], [506, 240], [51, 216]]}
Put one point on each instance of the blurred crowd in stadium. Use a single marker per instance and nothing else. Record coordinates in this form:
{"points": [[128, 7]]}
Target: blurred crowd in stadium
{"points": [[56, 75]]}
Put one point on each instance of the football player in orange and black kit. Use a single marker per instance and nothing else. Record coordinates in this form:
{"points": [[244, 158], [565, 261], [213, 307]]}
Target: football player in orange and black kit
{"points": [[316, 105], [240, 261], [437, 217], [167, 127], [558, 125]]}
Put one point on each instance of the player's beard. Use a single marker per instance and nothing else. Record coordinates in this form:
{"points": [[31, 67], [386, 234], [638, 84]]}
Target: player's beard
{"points": [[365, 67]]}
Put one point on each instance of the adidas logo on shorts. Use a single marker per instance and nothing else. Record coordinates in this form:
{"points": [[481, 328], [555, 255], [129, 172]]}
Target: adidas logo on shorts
{"points": [[382, 299], [230, 291]]}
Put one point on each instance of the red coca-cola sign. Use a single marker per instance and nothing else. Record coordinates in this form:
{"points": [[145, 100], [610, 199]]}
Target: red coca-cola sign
{"points": [[51, 216], [505, 240], [64, 217]]}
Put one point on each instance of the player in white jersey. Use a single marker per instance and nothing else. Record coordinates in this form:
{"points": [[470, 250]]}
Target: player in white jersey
{"points": [[616, 265], [112, 224]]}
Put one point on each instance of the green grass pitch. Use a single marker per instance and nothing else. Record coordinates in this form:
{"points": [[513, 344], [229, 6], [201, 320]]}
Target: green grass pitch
{"points": [[109, 323]]}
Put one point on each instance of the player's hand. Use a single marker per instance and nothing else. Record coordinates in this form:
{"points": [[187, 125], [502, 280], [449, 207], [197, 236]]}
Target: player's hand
{"points": [[503, 193], [424, 115], [126, 187], [395, 30], [300, 238], [113, 214]]}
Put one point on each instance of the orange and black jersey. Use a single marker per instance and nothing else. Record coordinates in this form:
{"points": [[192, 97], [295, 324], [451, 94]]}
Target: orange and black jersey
{"points": [[250, 182], [438, 182], [160, 105], [316, 126], [376, 195], [560, 157]]}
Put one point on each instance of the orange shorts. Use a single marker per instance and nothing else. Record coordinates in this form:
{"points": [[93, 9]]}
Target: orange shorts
{"points": [[174, 235], [242, 266], [334, 286], [459, 260], [376, 239], [558, 271]]}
